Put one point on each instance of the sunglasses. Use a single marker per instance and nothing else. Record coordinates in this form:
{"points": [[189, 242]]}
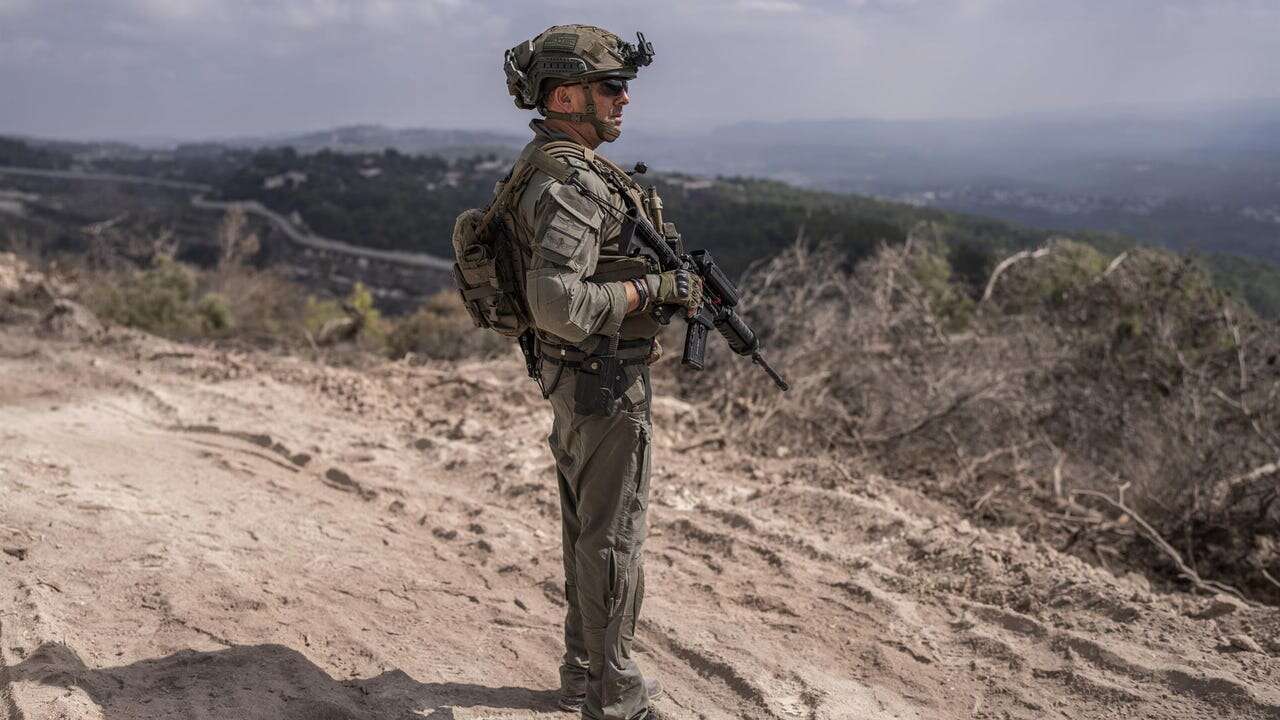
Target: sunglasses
{"points": [[613, 87]]}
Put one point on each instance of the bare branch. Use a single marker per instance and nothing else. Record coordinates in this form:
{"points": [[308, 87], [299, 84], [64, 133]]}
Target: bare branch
{"points": [[1235, 335], [958, 402], [1268, 576], [1225, 489], [1005, 264], [1163, 545], [1115, 264]]}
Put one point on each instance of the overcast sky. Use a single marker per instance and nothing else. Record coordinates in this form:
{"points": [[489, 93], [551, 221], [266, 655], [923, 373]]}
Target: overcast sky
{"points": [[213, 68]]}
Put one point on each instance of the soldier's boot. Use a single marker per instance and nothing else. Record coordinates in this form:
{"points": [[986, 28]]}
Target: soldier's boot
{"points": [[574, 693]]}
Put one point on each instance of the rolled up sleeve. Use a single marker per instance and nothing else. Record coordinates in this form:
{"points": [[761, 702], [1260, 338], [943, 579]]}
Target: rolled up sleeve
{"points": [[566, 306], [566, 250]]}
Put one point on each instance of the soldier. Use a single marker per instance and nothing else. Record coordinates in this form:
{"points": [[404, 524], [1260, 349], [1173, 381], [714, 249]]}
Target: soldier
{"points": [[590, 305]]}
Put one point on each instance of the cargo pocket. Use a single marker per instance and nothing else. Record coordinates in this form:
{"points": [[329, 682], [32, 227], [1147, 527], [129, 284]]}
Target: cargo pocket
{"points": [[617, 581], [636, 396], [642, 469]]}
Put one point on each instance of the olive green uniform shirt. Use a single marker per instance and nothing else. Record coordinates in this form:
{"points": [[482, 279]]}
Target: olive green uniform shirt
{"points": [[571, 237]]}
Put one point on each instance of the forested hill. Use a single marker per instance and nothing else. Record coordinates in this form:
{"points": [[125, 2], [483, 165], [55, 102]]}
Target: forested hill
{"points": [[393, 200], [407, 202]]}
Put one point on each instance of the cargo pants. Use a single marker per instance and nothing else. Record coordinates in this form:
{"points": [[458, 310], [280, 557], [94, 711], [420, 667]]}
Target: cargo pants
{"points": [[602, 465]]}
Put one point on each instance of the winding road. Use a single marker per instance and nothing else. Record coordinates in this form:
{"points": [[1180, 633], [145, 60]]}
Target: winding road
{"points": [[303, 238]]}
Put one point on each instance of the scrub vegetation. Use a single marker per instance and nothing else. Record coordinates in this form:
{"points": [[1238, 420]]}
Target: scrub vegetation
{"points": [[1120, 407]]}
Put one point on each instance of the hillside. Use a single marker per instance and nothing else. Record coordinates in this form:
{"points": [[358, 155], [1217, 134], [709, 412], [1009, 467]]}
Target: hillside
{"points": [[196, 532], [397, 201]]}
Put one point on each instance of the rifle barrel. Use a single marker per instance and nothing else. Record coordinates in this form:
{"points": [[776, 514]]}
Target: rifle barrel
{"points": [[758, 359]]}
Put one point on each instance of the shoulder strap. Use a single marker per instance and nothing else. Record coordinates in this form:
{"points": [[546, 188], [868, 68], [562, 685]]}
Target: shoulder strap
{"points": [[548, 159], [558, 169], [560, 148], [618, 173], [625, 185], [531, 159]]}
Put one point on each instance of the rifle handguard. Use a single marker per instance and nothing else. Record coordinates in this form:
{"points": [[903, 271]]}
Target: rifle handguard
{"points": [[720, 296], [714, 282]]}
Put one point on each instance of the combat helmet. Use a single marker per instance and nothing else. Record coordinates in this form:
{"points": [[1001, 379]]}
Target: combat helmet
{"points": [[572, 54]]}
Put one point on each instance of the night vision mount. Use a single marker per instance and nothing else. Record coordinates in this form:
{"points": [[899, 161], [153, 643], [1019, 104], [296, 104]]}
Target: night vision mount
{"points": [[640, 54]]}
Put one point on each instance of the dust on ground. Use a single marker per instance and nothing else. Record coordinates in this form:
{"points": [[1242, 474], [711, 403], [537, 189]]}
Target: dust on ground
{"points": [[192, 533]]}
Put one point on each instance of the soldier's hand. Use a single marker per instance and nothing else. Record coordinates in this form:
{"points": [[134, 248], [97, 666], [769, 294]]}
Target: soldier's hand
{"points": [[679, 287]]}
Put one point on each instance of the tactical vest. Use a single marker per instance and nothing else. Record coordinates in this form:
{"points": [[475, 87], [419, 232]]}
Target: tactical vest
{"points": [[494, 247], [613, 264]]}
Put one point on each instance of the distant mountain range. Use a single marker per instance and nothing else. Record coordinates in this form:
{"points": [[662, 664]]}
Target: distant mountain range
{"points": [[376, 138], [1191, 177]]}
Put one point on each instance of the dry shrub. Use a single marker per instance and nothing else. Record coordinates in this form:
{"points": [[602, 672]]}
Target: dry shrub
{"points": [[867, 351], [173, 300], [232, 303], [265, 309], [1169, 389], [239, 305], [160, 299], [1135, 379], [237, 243], [442, 330]]}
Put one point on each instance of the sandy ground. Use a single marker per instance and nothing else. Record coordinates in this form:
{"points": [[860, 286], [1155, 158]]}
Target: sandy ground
{"points": [[193, 534]]}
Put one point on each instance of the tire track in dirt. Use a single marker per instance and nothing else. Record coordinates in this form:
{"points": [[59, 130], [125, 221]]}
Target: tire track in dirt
{"points": [[709, 666], [1103, 671]]}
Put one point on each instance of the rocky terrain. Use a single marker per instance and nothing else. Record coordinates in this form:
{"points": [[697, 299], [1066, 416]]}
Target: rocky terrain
{"points": [[195, 533]]}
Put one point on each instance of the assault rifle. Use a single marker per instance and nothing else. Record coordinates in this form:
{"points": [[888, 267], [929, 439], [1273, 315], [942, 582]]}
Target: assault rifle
{"points": [[720, 297]]}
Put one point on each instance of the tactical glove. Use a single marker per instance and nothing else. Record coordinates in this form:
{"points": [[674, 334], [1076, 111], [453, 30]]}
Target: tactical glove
{"points": [[677, 287]]}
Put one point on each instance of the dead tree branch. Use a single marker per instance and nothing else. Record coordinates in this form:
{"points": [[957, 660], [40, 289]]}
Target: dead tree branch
{"points": [[1225, 489], [958, 402], [1115, 264], [1005, 264], [1163, 545]]}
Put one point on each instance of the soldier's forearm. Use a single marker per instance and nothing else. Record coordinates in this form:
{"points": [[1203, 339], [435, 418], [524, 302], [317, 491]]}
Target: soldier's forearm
{"points": [[634, 301], [574, 309]]}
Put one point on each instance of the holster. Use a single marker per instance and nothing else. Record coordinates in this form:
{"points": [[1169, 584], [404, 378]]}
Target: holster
{"points": [[599, 385], [600, 378]]}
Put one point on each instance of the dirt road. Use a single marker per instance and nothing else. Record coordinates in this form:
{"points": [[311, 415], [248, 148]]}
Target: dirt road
{"points": [[195, 534]]}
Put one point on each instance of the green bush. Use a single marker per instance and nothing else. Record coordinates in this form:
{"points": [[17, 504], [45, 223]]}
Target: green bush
{"points": [[1050, 280], [355, 313], [179, 302], [945, 293], [215, 314], [239, 304], [157, 299]]}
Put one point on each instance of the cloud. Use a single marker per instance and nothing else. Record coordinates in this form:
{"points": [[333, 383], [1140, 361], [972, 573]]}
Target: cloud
{"points": [[166, 10], [769, 6], [219, 67], [21, 51], [13, 7]]}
